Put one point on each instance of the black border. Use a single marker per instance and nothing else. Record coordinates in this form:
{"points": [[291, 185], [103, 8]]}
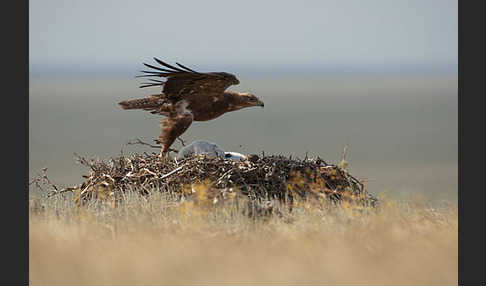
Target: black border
{"points": [[15, 123], [471, 122]]}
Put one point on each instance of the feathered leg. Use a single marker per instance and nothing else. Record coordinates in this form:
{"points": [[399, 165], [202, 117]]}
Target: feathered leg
{"points": [[172, 128]]}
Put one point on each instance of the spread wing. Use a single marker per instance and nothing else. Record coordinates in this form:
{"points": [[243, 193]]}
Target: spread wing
{"points": [[182, 81], [173, 127]]}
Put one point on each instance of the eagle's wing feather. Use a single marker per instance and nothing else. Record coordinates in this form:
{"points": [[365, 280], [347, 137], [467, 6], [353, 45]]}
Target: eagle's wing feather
{"points": [[186, 68], [173, 127], [182, 82]]}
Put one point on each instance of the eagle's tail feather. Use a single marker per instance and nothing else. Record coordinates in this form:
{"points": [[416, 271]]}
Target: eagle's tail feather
{"points": [[146, 103]]}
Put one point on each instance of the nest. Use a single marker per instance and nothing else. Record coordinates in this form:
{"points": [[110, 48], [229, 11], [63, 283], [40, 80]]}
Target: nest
{"points": [[258, 178]]}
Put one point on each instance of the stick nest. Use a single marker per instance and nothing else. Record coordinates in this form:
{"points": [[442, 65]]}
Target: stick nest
{"points": [[259, 178]]}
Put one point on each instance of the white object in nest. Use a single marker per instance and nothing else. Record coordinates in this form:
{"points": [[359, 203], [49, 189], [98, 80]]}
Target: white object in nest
{"points": [[234, 156], [199, 147]]}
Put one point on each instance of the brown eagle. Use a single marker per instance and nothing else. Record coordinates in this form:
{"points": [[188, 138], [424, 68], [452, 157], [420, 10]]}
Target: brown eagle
{"points": [[187, 96]]}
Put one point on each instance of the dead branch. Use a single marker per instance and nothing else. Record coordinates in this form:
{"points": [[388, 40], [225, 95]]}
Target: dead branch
{"points": [[138, 141], [55, 192], [182, 141]]}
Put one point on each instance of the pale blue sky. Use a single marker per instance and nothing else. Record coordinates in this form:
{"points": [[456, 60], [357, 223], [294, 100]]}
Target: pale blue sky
{"points": [[91, 34]]}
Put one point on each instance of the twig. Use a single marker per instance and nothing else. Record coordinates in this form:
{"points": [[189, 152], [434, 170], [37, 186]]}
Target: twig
{"points": [[172, 172], [42, 179], [55, 192], [182, 141], [138, 141], [345, 151], [218, 181], [344, 164]]}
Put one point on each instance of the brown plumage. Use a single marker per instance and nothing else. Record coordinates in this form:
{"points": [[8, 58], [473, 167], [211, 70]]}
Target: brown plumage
{"points": [[187, 96]]}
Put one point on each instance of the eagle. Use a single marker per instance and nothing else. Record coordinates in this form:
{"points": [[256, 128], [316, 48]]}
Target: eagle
{"points": [[187, 96]]}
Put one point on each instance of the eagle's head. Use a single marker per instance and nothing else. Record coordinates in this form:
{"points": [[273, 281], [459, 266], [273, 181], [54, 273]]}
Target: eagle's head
{"points": [[239, 100], [246, 99]]}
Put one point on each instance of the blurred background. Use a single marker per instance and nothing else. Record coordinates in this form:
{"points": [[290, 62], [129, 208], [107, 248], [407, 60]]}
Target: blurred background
{"points": [[379, 76]]}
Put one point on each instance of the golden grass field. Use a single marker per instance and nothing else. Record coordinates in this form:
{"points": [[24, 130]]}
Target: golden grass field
{"points": [[153, 241]]}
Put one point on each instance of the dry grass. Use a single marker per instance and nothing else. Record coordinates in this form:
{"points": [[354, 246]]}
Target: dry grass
{"points": [[155, 242]]}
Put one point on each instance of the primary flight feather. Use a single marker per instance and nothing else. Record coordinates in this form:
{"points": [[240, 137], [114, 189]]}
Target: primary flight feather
{"points": [[187, 96]]}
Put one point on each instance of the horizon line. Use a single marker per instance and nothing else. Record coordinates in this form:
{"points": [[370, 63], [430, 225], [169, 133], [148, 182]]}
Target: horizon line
{"points": [[37, 69]]}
